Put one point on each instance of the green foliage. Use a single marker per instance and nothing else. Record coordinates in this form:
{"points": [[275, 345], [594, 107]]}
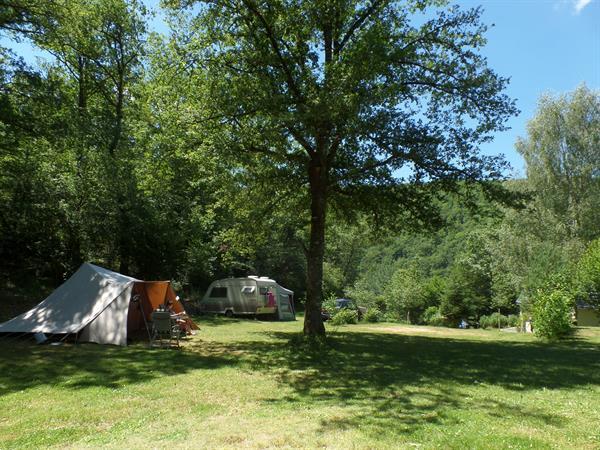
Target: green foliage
{"points": [[333, 280], [497, 320], [345, 316], [147, 154], [588, 274], [467, 295], [561, 152], [432, 316], [552, 312], [332, 131], [329, 304], [405, 293], [373, 315]]}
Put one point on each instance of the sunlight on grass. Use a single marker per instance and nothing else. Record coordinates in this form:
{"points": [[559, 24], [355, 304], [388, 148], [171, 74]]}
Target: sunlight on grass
{"points": [[241, 383]]}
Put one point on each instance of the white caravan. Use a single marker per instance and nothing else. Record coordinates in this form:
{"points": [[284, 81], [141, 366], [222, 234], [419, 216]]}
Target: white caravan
{"points": [[250, 295]]}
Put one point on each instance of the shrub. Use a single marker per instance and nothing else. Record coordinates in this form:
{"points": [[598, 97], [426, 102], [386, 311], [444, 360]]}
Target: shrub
{"points": [[345, 316], [552, 314], [373, 315], [329, 304], [514, 320], [497, 320], [433, 316], [485, 322]]}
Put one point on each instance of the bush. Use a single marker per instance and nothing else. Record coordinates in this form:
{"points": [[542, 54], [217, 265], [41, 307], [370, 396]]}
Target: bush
{"points": [[552, 314], [497, 320], [345, 316], [329, 304], [485, 322], [433, 316], [514, 320], [373, 315]]}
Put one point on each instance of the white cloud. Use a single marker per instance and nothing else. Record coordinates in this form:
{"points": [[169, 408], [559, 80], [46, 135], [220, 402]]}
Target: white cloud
{"points": [[576, 6], [580, 4]]}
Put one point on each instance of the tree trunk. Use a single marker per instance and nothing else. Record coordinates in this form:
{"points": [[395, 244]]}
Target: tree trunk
{"points": [[313, 322], [118, 126], [124, 240], [82, 93]]}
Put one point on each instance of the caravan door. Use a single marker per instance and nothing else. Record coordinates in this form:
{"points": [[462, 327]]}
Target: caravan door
{"points": [[248, 295]]}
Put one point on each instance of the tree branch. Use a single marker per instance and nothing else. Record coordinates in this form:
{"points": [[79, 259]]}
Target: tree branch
{"points": [[358, 23]]}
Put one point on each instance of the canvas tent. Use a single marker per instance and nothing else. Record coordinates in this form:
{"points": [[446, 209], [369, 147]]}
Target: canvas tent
{"points": [[98, 305]]}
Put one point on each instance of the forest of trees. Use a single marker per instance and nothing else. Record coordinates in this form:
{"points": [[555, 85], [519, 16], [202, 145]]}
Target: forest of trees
{"points": [[232, 146]]}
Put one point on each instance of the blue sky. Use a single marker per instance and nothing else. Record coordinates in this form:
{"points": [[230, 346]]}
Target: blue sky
{"points": [[544, 46], [547, 46]]}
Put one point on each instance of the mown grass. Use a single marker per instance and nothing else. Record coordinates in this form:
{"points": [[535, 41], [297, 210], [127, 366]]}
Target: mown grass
{"points": [[244, 383]]}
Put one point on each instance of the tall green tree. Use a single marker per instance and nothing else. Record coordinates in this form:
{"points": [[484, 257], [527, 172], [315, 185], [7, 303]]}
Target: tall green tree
{"points": [[406, 293], [32, 166], [97, 48], [561, 150], [99, 45], [375, 105]]}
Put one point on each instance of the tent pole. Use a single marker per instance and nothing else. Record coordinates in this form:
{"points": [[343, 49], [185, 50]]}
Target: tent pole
{"points": [[145, 321]]}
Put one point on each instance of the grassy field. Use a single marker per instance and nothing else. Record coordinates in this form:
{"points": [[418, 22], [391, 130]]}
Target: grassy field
{"points": [[245, 383]]}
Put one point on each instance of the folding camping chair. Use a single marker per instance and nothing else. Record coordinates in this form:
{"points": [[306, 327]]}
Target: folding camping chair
{"points": [[163, 329]]}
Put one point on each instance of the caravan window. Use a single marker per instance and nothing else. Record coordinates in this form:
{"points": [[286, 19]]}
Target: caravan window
{"points": [[248, 289], [263, 290], [218, 292]]}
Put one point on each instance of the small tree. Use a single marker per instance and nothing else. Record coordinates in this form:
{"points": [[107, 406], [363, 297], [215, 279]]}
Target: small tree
{"points": [[552, 314], [552, 309], [405, 293]]}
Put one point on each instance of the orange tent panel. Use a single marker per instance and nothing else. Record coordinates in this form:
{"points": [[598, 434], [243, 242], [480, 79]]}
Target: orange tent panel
{"points": [[152, 294]]}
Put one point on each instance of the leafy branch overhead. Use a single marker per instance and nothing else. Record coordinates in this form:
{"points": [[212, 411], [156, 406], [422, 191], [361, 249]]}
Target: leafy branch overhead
{"points": [[358, 85], [376, 103]]}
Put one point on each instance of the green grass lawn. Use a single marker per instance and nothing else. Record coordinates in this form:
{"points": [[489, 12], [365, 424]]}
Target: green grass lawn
{"points": [[244, 383]]}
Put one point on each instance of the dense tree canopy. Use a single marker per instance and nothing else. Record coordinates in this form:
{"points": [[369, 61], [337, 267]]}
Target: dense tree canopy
{"points": [[339, 98], [563, 159], [321, 143]]}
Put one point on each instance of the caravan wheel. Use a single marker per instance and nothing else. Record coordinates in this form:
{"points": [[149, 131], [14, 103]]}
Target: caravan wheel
{"points": [[229, 313]]}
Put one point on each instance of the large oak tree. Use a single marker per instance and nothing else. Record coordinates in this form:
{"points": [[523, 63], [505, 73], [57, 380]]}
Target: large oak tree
{"points": [[377, 105]]}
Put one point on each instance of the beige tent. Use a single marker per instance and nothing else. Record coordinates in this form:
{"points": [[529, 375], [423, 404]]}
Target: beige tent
{"points": [[98, 305]]}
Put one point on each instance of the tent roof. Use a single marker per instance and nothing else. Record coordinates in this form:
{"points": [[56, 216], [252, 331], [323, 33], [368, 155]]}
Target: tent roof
{"points": [[113, 277], [74, 304], [285, 291]]}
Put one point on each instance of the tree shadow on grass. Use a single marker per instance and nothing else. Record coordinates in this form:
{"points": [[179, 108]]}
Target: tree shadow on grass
{"points": [[24, 365], [383, 383], [389, 383], [214, 320]]}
